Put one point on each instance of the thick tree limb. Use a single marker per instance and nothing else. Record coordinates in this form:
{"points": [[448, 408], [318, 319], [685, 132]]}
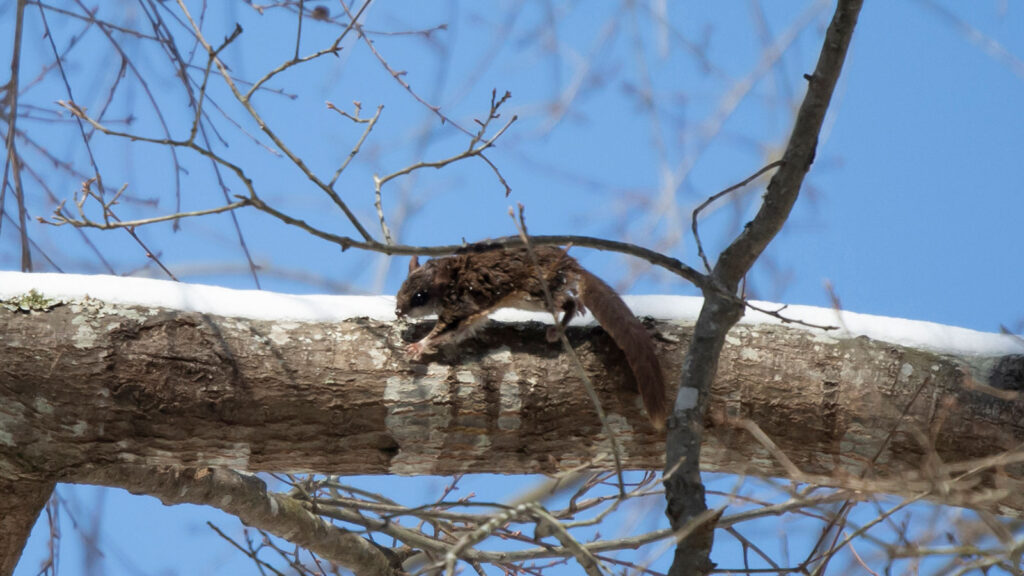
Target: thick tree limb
{"points": [[20, 503], [87, 385], [101, 393], [247, 498]]}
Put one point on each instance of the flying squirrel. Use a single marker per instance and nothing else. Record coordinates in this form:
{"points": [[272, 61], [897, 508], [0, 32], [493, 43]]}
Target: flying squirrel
{"points": [[465, 288]]}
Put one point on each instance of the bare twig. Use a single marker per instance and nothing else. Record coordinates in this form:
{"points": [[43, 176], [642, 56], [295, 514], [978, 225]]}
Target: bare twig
{"points": [[88, 147], [520, 225], [721, 309], [248, 550], [711, 199], [786, 319], [12, 163], [370, 123], [59, 218], [476, 148], [399, 76], [468, 153], [333, 49], [296, 160]]}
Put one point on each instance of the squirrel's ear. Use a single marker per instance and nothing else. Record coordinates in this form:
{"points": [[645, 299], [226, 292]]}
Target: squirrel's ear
{"points": [[442, 275], [414, 263]]}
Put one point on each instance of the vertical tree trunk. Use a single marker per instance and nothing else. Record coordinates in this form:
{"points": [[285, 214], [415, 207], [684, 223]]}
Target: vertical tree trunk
{"points": [[20, 503]]}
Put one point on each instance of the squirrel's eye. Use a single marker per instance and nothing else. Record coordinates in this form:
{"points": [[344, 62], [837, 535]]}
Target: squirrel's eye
{"points": [[419, 298]]}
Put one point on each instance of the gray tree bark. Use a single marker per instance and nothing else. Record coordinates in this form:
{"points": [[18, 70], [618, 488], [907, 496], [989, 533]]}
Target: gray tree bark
{"points": [[87, 385]]}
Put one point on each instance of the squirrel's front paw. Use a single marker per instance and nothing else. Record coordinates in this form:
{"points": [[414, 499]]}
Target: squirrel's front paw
{"points": [[415, 351]]}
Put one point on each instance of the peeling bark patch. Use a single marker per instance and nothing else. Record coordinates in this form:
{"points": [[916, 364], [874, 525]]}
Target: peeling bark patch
{"points": [[830, 406], [510, 402], [235, 456], [686, 400], [623, 431], [280, 333], [418, 417], [468, 383], [42, 405], [85, 336], [501, 355], [906, 371], [749, 354], [423, 385]]}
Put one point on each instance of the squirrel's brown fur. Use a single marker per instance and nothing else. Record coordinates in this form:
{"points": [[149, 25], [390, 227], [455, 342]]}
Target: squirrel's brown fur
{"points": [[465, 288]]}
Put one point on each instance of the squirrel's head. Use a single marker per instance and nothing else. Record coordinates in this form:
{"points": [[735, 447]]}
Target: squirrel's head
{"points": [[420, 294]]}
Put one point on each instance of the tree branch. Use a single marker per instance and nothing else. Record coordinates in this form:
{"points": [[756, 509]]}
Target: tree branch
{"points": [[247, 498], [784, 187], [178, 384], [721, 310], [20, 503], [13, 162]]}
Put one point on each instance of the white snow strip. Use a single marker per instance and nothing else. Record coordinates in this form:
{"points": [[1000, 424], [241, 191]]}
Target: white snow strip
{"points": [[261, 305], [147, 292]]}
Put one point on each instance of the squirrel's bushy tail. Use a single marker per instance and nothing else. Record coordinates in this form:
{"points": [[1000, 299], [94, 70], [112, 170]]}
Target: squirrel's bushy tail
{"points": [[632, 338]]}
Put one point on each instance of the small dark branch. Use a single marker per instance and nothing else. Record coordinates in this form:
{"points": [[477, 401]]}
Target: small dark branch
{"points": [[569, 350], [712, 199], [787, 320], [249, 550], [286, 65], [13, 163], [110, 220], [370, 123], [399, 75], [227, 41], [722, 309], [226, 192], [20, 503], [245, 101], [492, 115], [353, 20], [476, 148], [497, 173], [748, 545], [670, 264], [151, 255], [298, 32], [197, 119], [736, 260]]}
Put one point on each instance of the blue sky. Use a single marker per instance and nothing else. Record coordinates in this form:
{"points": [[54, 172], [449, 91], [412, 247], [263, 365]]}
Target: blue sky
{"points": [[912, 208]]}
